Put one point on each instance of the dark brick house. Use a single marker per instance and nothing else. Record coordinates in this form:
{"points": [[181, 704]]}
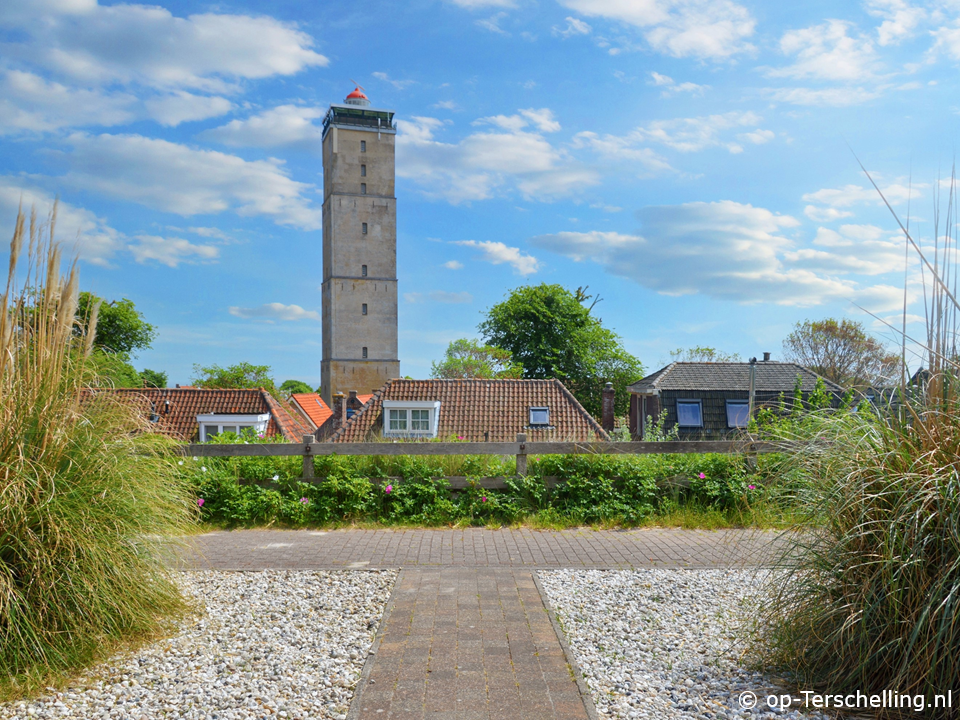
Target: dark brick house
{"points": [[711, 400]]}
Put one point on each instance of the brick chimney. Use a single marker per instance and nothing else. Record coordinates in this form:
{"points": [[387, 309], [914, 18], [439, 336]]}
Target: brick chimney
{"points": [[607, 414], [766, 357]]}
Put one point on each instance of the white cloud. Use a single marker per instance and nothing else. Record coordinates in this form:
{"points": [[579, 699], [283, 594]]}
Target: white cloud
{"points": [[281, 126], [829, 214], [29, 103], [440, 296], [398, 84], [724, 250], [485, 162], [210, 232], [900, 19], [179, 107], [757, 137], [681, 134], [860, 249], [453, 265], [477, 4], [178, 179], [77, 228], [498, 253], [575, 26], [492, 23], [125, 43], [825, 97], [171, 251], [673, 88], [275, 311], [705, 29], [447, 105], [850, 195], [827, 52], [623, 149]]}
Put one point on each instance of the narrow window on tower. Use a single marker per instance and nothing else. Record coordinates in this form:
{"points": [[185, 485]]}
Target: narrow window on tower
{"points": [[364, 353], [363, 270], [363, 171], [364, 228], [363, 146], [363, 309], [363, 188]]}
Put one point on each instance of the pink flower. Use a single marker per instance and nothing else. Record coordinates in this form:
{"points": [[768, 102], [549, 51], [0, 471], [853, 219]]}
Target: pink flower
{"points": [[459, 437], [483, 499], [702, 476], [305, 501], [751, 487], [200, 502], [389, 489]]}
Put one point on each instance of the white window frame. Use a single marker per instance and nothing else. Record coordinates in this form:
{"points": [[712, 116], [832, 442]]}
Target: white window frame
{"points": [[432, 405], [691, 401], [738, 403], [257, 423]]}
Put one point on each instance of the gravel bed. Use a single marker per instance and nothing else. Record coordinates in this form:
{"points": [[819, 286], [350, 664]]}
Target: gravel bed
{"points": [[663, 643], [270, 644]]}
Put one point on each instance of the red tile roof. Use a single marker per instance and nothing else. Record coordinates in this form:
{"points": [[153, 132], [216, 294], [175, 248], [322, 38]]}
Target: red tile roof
{"points": [[477, 410], [178, 409], [312, 406]]}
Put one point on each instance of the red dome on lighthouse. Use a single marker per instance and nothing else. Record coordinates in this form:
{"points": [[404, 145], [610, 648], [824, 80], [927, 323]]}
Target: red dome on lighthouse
{"points": [[357, 98]]}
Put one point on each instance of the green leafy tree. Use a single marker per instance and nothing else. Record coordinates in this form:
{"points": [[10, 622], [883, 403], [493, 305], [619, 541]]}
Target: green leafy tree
{"points": [[120, 329], [552, 334], [291, 387], [843, 352], [113, 370], [239, 376], [702, 354], [466, 359], [153, 378]]}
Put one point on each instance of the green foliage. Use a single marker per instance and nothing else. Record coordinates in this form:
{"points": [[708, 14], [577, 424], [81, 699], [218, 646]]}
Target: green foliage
{"points": [[153, 378], [113, 370], [702, 354], [120, 329], [469, 359], [89, 502], [409, 490], [843, 352], [239, 376], [291, 387], [550, 333]]}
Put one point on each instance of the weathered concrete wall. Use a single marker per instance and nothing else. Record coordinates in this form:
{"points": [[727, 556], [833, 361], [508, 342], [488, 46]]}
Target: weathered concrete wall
{"points": [[347, 249]]}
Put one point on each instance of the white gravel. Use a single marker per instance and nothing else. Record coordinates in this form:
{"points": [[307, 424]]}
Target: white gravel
{"points": [[664, 643], [270, 644]]}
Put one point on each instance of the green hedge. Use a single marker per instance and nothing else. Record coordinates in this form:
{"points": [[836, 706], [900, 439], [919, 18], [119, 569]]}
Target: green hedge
{"points": [[598, 489]]}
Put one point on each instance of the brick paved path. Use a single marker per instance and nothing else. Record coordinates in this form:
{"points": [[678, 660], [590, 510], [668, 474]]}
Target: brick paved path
{"points": [[467, 634], [307, 550]]}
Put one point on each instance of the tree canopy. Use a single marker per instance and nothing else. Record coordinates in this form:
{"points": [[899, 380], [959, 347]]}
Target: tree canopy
{"points": [[243, 375], [153, 378], [702, 354], [843, 352], [551, 334], [465, 359], [291, 387], [120, 327]]}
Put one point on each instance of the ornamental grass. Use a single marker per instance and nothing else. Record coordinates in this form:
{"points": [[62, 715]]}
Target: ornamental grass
{"points": [[86, 498], [867, 597]]}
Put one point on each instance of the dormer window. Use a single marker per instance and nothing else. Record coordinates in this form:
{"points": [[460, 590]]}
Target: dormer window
{"points": [[409, 418], [213, 425], [539, 416]]}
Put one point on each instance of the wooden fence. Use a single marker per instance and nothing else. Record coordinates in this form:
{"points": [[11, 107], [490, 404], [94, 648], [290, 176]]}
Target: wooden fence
{"points": [[521, 449]]}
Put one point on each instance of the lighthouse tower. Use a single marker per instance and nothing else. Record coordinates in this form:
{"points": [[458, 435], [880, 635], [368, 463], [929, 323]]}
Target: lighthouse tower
{"points": [[359, 248]]}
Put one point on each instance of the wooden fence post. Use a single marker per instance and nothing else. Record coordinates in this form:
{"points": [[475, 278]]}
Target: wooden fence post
{"points": [[308, 441], [522, 454]]}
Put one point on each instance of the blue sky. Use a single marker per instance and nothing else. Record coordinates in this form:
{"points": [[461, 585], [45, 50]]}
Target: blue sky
{"points": [[692, 161]]}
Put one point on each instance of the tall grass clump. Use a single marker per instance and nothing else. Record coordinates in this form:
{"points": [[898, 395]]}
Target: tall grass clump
{"points": [[867, 598], [86, 497]]}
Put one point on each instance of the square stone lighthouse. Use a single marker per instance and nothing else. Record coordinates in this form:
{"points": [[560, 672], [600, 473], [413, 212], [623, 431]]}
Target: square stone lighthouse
{"points": [[359, 248]]}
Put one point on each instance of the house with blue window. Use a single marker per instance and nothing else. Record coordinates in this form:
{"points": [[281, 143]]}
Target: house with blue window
{"points": [[706, 400]]}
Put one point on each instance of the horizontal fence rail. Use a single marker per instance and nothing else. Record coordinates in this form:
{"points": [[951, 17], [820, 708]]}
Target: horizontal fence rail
{"points": [[310, 448]]}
